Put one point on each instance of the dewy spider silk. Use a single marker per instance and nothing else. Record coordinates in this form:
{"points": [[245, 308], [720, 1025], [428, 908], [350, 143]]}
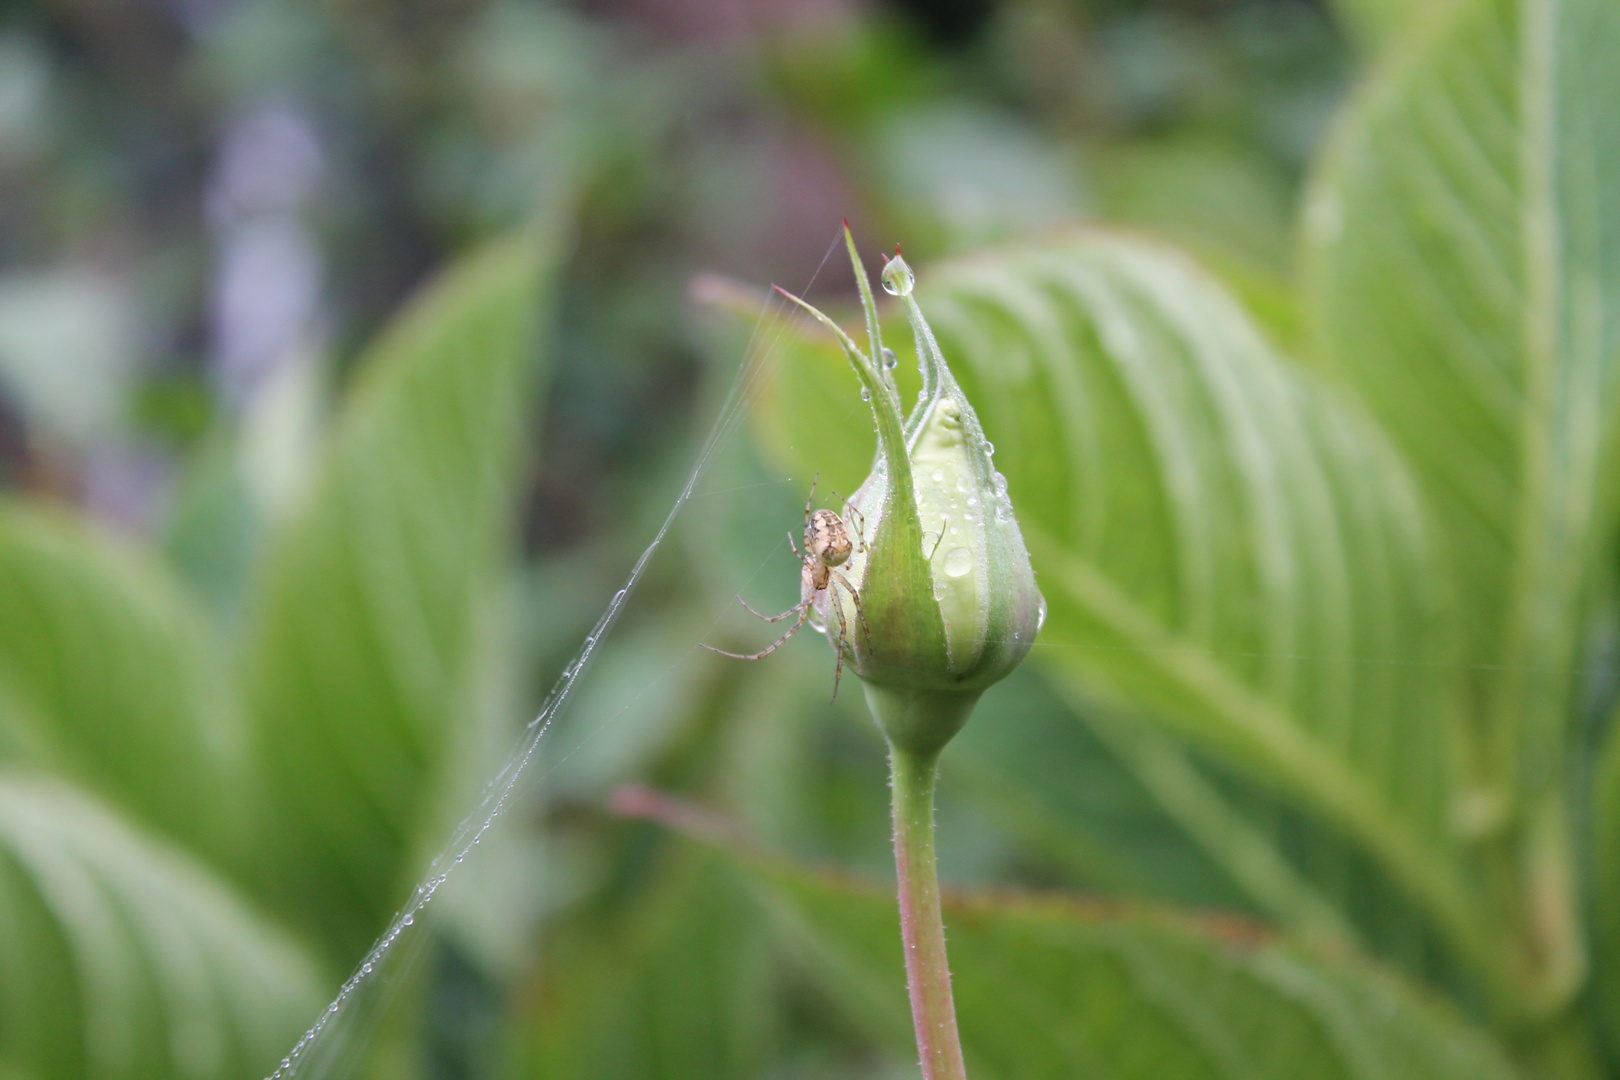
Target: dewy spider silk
{"points": [[948, 596]]}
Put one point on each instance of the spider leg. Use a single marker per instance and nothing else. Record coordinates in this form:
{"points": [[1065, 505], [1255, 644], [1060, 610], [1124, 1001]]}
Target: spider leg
{"points": [[856, 518], [795, 549], [772, 618], [944, 523], [772, 647], [811, 500], [860, 612], [843, 636]]}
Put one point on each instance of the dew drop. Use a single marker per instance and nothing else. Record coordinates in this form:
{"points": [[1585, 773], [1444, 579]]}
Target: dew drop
{"points": [[897, 278], [866, 393], [961, 483], [958, 562], [889, 359], [989, 447], [409, 919], [939, 476], [939, 591], [1000, 483], [1040, 615]]}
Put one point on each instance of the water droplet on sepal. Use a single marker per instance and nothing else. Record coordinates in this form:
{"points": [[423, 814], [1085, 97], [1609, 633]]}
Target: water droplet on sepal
{"points": [[897, 277]]}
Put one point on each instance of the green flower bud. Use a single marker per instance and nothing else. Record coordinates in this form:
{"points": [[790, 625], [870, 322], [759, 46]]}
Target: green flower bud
{"points": [[947, 602]]}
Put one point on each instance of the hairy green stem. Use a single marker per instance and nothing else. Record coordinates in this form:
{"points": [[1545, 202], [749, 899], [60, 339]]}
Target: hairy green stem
{"points": [[928, 974]]}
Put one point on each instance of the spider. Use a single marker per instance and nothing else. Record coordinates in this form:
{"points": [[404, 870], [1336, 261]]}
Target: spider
{"points": [[827, 545]]}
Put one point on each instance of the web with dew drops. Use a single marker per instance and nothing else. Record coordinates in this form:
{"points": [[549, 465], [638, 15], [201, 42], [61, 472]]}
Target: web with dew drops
{"points": [[337, 1035]]}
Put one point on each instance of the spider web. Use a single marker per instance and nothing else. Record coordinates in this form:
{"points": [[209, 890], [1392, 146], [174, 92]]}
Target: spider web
{"points": [[337, 1038]]}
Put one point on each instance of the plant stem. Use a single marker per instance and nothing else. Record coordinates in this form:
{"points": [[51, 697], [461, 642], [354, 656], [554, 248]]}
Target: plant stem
{"points": [[928, 974]]}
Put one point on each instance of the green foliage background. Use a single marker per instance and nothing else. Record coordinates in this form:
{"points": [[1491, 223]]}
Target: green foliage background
{"points": [[1293, 327]]}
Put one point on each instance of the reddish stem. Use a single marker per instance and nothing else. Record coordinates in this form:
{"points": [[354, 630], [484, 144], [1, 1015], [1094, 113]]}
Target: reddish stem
{"points": [[928, 973]]}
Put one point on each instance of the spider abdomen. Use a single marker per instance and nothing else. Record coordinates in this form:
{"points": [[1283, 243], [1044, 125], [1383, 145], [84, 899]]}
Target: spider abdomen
{"points": [[826, 538]]}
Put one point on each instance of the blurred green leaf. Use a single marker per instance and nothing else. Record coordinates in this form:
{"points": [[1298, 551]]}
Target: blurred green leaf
{"points": [[363, 656], [121, 957], [1605, 863], [1223, 543], [1465, 277], [1208, 192], [1372, 24], [214, 527], [675, 988], [1056, 786], [108, 677], [1118, 804], [1469, 293], [1053, 987]]}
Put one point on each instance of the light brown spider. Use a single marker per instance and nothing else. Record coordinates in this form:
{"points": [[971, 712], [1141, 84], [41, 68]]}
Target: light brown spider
{"points": [[827, 546]]}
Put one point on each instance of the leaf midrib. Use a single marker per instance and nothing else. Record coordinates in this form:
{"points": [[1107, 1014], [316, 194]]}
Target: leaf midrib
{"points": [[1538, 237]]}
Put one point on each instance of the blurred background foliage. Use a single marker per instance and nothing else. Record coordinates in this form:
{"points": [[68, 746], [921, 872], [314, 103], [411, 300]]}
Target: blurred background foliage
{"points": [[284, 571]]}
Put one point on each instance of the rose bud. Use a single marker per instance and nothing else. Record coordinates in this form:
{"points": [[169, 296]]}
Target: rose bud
{"points": [[945, 602]]}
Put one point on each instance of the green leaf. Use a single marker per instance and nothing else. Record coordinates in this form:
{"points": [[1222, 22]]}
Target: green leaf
{"points": [[1225, 544], [676, 988], [108, 677], [1116, 804], [1053, 987], [121, 957], [1463, 238], [1373, 24], [365, 648], [1061, 793], [1605, 902]]}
